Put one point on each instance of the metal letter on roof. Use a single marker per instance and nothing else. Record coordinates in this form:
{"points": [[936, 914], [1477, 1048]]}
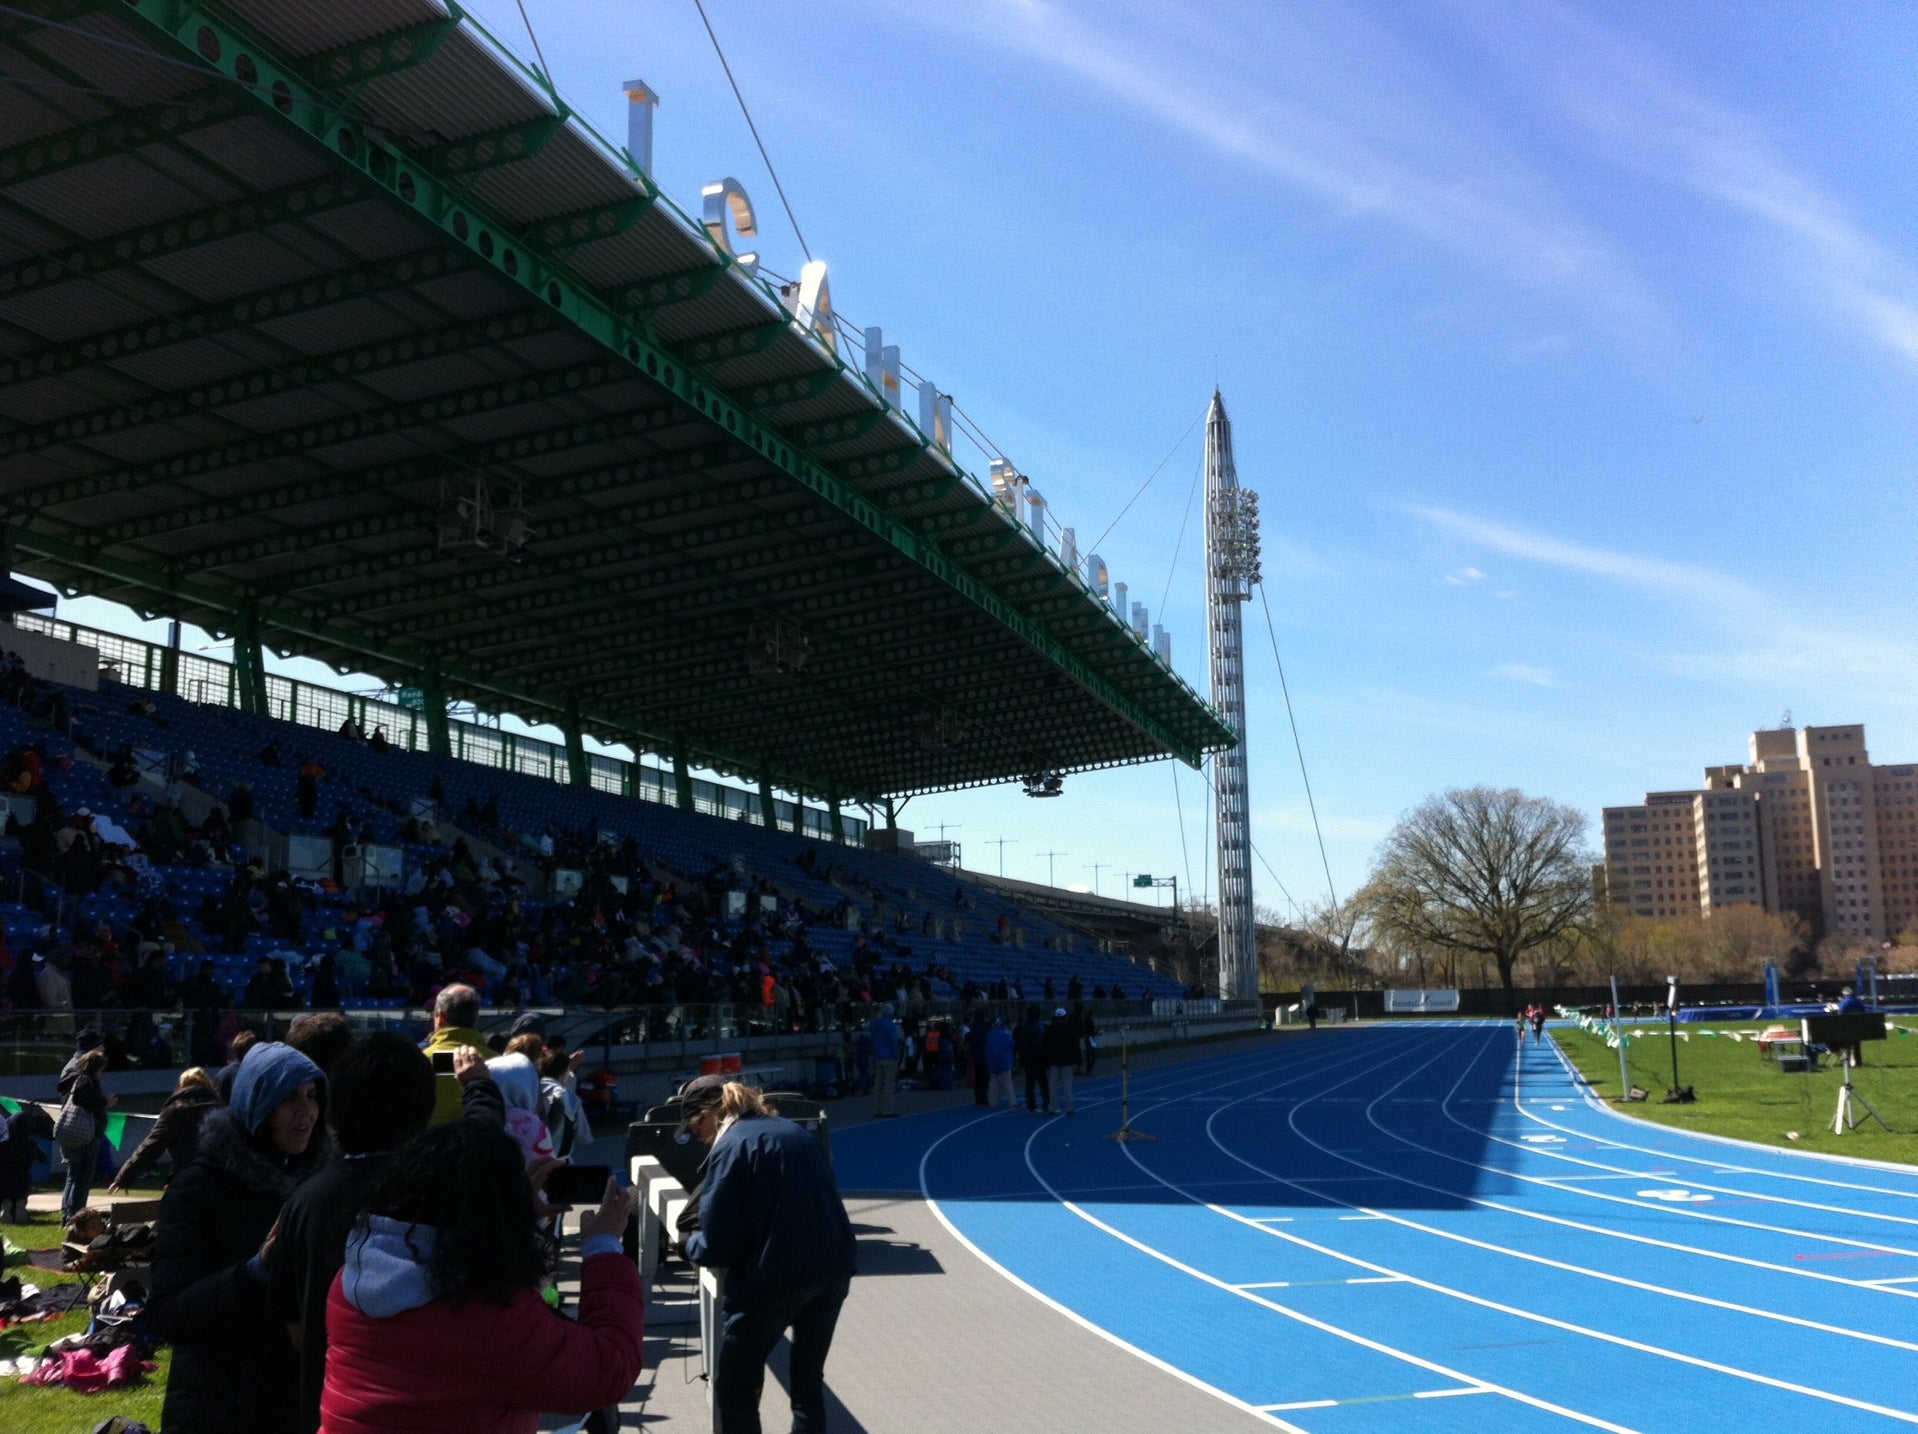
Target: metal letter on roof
{"points": [[642, 99], [1096, 575], [811, 304], [935, 414], [716, 199], [882, 365]]}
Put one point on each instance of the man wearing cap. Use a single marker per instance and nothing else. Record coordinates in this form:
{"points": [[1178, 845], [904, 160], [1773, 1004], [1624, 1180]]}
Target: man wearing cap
{"points": [[1061, 1044], [885, 1063]]}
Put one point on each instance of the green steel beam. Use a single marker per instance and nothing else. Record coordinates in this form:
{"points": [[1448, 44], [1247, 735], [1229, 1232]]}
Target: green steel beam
{"points": [[340, 366], [120, 133], [225, 315], [567, 232], [710, 349], [650, 295], [386, 54], [58, 12], [760, 397], [331, 432], [197, 28], [246, 215], [415, 516], [463, 158]]}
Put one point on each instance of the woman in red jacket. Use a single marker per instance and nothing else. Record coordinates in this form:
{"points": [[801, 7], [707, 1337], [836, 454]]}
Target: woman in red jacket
{"points": [[436, 1321]]}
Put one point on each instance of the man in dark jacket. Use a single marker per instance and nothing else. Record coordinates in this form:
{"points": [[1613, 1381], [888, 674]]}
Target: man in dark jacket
{"points": [[381, 1095], [1062, 1057], [976, 1054], [1029, 1042], [771, 1217]]}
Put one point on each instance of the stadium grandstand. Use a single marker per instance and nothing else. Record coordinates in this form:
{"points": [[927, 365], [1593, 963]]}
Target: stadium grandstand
{"points": [[334, 331]]}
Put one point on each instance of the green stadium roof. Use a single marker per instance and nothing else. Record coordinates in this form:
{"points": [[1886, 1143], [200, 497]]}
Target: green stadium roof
{"points": [[278, 277]]}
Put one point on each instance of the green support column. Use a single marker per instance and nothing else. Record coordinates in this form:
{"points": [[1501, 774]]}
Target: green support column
{"points": [[439, 738], [767, 810], [578, 771], [249, 661], [170, 660], [832, 811], [682, 781]]}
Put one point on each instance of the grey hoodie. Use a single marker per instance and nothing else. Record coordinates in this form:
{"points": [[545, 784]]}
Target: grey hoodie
{"points": [[386, 1270]]}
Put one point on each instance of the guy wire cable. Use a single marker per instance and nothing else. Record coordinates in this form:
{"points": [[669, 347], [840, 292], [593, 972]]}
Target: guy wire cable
{"points": [[1311, 805], [804, 248]]}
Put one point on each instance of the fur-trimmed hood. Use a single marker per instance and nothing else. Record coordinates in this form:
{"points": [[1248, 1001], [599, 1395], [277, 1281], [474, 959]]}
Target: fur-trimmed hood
{"points": [[227, 1148]]}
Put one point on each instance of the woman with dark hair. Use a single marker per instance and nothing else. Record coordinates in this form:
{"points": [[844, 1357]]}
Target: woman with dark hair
{"points": [[436, 1321], [233, 1366]]}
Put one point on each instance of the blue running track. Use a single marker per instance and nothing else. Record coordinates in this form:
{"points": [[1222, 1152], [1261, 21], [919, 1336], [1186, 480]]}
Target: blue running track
{"points": [[1423, 1227]]}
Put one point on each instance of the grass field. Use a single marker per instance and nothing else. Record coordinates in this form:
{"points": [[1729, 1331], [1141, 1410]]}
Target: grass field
{"points": [[26, 1409], [1742, 1094]]}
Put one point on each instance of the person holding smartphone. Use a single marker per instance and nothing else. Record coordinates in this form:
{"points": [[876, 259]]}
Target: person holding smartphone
{"points": [[436, 1319]]}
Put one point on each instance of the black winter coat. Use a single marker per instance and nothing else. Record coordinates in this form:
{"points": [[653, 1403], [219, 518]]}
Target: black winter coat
{"points": [[234, 1368], [1061, 1042], [176, 1133]]}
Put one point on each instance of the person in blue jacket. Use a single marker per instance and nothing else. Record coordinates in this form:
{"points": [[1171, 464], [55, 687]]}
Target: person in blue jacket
{"points": [[999, 1063], [770, 1216]]}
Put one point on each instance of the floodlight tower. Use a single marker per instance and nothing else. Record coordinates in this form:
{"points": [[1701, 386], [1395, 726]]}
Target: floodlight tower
{"points": [[1231, 568]]}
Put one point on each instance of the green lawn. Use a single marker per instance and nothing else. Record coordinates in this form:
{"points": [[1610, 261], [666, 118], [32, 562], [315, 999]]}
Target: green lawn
{"points": [[1742, 1095], [28, 1410]]}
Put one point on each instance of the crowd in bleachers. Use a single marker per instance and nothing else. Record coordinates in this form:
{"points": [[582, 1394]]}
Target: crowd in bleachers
{"points": [[153, 871]]}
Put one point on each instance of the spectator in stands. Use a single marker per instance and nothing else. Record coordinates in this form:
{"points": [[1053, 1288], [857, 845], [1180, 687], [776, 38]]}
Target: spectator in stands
{"points": [[176, 1133], [124, 771], [306, 788], [325, 995], [1029, 1042], [885, 1064], [770, 1216], [260, 989], [234, 1371], [269, 755], [381, 1096], [244, 1040], [378, 741], [436, 1320], [456, 1011], [1061, 1042], [56, 991], [999, 1051], [80, 1087]]}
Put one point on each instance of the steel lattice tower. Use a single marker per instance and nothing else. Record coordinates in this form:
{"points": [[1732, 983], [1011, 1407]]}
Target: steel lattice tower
{"points": [[1231, 568]]}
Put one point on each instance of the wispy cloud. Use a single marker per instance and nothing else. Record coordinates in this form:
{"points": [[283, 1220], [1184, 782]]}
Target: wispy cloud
{"points": [[1646, 116], [1351, 117], [1689, 582], [1296, 820], [1526, 672], [1462, 577], [1764, 639]]}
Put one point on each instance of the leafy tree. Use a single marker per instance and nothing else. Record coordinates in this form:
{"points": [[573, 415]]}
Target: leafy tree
{"points": [[1484, 873]]}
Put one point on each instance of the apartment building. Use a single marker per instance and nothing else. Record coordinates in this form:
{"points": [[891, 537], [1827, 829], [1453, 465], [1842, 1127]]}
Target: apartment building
{"points": [[1806, 825]]}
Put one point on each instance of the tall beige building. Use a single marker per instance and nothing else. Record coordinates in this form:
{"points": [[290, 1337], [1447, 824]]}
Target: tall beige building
{"points": [[1807, 825]]}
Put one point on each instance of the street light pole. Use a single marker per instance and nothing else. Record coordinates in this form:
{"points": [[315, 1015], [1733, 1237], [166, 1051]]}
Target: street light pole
{"points": [[1051, 857], [1677, 1095], [1095, 867], [1002, 843]]}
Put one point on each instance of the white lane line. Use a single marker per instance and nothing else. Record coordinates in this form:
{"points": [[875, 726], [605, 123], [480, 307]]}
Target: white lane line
{"points": [[1718, 1161], [1844, 1331], [1559, 1183], [1298, 1315], [1562, 1183], [1622, 1341], [1378, 1398], [1894, 1280], [1531, 1143], [1316, 1069], [1301, 1284], [1072, 1314]]}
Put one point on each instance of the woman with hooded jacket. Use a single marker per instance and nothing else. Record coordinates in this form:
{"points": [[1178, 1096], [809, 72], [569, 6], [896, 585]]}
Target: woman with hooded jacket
{"points": [[234, 1369]]}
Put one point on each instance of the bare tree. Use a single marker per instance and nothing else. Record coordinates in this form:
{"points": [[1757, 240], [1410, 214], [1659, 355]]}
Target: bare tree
{"points": [[1484, 873], [1336, 927]]}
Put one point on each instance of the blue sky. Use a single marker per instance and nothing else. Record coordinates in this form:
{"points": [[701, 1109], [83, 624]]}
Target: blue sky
{"points": [[1571, 348]]}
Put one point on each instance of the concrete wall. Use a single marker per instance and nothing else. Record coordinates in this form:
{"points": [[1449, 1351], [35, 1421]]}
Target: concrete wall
{"points": [[48, 657]]}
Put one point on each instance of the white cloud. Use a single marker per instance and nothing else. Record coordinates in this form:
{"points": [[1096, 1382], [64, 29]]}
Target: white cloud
{"points": [[1526, 672], [1462, 577], [1353, 117], [1297, 820], [1644, 115]]}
